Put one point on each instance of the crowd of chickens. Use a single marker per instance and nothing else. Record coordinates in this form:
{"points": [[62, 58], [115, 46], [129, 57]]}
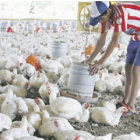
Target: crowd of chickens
{"points": [[30, 100]]}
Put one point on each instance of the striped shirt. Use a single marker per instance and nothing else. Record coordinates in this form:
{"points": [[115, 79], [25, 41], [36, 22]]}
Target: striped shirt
{"points": [[125, 18]]}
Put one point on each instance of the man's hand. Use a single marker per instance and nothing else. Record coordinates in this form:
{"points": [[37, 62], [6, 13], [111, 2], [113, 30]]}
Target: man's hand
{"points": [[95, 68]]}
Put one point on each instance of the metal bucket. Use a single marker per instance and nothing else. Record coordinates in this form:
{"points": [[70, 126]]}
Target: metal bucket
{"points": [[58, 49], [48, 25], [54, 26], [3, 26], [80, 82], [30, 28]]}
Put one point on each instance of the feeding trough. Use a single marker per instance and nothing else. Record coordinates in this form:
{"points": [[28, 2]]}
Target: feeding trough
{"points": [[58, 49], [30, 28], [80, 82], [3, 26]]}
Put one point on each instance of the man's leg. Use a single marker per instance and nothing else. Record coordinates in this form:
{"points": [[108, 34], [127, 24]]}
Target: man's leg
{"points": [[128, 81], [134, 86]]}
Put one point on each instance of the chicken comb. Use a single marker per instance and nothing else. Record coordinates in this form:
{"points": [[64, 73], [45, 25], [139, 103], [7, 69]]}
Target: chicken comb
{"points": [[48, 87], [14, 76], [2, 138], [87, 105], [36, 100], [27, 85], [56, 123], [77, 137], [38, 74], [20, 64], [115, 73]]}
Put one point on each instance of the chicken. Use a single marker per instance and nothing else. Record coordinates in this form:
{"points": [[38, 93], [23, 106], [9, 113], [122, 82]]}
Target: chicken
{"points": [[32, 106], [52, 66], [63, 80], [131, 136], [110, 105], [47, 89], [18, 124], [73, 135], [20, 80], [16, 133], [68, 108], [51, 125], [38, 79], [13, 105], [104, 115], [30, 138], [6, 76], [35, 119], [106, 137], [5, 122]]}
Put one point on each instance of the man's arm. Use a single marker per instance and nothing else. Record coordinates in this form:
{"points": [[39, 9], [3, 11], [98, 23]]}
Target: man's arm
{"points": [[98, 47], [110, 48], [114, 41]]}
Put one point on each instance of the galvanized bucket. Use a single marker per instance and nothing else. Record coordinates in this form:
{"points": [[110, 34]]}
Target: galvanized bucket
{"points": [[58, 49], [80, 82], [54, 26], [30, 28], [3, 26], [48, 25]]}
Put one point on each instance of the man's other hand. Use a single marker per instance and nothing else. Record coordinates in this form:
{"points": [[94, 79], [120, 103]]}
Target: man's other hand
{"points": [[93, 69]]}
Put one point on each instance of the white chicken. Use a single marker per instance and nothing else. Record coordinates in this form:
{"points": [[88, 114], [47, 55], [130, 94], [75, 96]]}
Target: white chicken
{"points": [[2, 98], [6, 76], [113, 81], [30, 138], [73, 135], [20, 80], [51, 125], [66, 61], [8, 106], [52, 66], [68, 108], [63, 80], [13, 105], [16, 133], [32, 106], [2, 63], [10, 64], [118, 66], [110, 105], [106, 137], [131, 136], [104, 115], [18, 124], [38, 79], [43, 107], [47, 89], [5, 122], [109, 82], [35, 119], [19, 91], [27, 69], [22, 108]]}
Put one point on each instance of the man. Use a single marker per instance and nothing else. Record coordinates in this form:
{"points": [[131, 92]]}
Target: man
{"points": [[124, 18]]}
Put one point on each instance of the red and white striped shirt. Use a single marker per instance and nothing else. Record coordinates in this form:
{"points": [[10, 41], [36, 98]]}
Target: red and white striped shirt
{"points": [[126, 18]]}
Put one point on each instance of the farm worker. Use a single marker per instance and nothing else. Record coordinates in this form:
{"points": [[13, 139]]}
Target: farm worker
{"points": [[123, 17]]}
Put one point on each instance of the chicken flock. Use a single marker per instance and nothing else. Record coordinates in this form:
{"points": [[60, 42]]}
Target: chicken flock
{"points": [[30, 99]]}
